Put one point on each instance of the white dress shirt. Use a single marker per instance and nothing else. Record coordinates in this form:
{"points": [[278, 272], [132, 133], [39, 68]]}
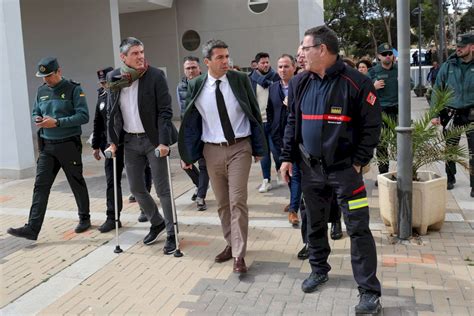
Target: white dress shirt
{"points": [[132, 122], [207, 106]]}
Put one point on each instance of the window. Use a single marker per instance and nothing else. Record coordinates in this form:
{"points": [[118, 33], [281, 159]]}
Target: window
{"points": [[258, 6], [191, 40]]}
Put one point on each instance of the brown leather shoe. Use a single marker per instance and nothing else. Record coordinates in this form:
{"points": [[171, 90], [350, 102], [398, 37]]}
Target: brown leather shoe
{"points": [[286, 208], [293, 218], [225, 255], [239, 265]]}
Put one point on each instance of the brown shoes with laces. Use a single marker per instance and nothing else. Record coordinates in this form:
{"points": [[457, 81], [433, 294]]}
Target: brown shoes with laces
{"points": [[293, 218], [239, 265]]}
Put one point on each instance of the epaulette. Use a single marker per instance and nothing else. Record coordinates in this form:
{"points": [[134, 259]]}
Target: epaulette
{"points": [[74, 82]]}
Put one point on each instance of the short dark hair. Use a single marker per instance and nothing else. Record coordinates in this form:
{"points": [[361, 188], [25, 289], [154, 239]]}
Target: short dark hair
{"points": [[261, 55], [128, 43], [324, 35], [292, 59], [190, 58], [210, 45], [368, 63]]}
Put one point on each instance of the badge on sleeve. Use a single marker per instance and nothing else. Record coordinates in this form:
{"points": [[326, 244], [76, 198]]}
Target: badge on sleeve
{"points": [[371, 98], [101, 105]]}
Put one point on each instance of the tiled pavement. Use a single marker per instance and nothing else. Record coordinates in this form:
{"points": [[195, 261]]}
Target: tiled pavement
{"points": [[67, 273]]}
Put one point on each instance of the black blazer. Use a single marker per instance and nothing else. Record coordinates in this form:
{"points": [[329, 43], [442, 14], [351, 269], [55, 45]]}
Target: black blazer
{"points": [[154, 106], [277, 113]]}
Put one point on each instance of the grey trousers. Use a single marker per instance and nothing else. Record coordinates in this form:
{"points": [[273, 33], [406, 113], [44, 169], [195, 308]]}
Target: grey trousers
{"points": [[139, 150]]}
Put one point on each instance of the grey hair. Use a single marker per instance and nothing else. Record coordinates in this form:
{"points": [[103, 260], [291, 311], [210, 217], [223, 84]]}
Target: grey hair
{"points": [[210, 45], [128, 43]]}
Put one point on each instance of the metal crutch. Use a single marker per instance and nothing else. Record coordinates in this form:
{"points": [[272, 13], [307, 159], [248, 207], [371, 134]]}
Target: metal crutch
{"points": [[109, 155], [178, 252]]}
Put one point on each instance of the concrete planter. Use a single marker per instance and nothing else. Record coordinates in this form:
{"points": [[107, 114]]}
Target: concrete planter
{"points": [[429, 201]]}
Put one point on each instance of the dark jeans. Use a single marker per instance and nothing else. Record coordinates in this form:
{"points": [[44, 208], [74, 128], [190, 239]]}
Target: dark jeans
{"points": [[295, 188], [109, 175], [459, 120], [138, 152], [391, 111], [54, 156], [199, 177], [266, 162], [318, 185]]}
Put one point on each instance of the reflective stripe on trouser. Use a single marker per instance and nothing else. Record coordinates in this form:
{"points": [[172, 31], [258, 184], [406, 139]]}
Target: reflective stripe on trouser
{"points": [[318, 186]]}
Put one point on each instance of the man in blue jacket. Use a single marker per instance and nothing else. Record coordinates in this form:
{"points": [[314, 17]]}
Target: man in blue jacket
{"points": [[457, 74], [332, 131], [59, 111]]}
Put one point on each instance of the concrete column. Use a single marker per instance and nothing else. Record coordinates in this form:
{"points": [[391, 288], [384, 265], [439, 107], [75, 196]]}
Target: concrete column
{"points": [[17, 153]]}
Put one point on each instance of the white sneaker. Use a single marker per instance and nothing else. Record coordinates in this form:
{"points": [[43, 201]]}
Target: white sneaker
{"points": [[280, 181], [265, 187]]}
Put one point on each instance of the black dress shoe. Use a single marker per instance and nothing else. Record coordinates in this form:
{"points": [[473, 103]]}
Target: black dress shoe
{"points": [[108, 225], [303, 254], [313, 281], [195, 194], [170, 245], [201, 204], [142, 217], [23, 232], [336, 230], [84, 224], [154, 233]]}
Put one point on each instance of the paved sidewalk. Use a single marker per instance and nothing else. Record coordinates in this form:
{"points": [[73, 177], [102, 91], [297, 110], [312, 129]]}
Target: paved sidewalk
{"points": [[68, 273]]}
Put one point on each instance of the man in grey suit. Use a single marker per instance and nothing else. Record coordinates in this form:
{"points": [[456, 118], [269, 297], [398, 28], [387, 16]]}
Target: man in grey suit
{"points": [[139, 115], [222, 123]]}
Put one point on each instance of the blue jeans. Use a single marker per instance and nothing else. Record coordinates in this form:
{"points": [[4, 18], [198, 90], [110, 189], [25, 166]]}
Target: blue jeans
{"points": [[266, 162], [295, 189]]}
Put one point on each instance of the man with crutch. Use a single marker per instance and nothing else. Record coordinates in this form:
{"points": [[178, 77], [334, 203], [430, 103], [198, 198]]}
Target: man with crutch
{"points": [[139, 114]]}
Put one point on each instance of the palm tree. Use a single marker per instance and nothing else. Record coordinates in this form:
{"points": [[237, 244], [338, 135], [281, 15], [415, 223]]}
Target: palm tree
{"points": [[430, 145]]}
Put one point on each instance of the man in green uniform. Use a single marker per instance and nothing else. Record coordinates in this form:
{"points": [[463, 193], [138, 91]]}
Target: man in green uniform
{"points": [[59, 111], [457, 74], [384, 77]]}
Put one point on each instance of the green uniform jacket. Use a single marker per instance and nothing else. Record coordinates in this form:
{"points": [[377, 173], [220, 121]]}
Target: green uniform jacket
{"points": [[459, 78], [66, 102], [189, 139], [388, 96]]}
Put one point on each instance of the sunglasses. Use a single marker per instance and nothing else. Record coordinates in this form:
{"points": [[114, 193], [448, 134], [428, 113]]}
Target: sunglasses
{"points": [[385, 54]]}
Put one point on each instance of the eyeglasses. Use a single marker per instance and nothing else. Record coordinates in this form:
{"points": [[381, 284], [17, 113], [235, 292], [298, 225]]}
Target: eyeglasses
{"points": [[385, 54], [306, 48]]}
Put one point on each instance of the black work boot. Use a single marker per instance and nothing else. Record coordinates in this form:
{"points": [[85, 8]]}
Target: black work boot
{"points": [[84, 224], [109, 225], [369, 303], [23, 232], [313, 281]]}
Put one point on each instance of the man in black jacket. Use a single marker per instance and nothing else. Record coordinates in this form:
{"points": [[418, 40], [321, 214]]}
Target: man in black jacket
{"points": [[332, 130], [99, 143], [139, 114]]}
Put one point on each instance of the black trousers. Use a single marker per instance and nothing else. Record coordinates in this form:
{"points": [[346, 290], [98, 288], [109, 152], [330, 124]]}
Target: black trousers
{"points": [[199, 177], [391, 111], [318, 185], [54, 156], [334, 216], [109, 175], [460, 119]]}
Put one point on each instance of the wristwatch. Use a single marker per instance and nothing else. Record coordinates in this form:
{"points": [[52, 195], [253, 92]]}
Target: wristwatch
{"points": [[57, 123]]}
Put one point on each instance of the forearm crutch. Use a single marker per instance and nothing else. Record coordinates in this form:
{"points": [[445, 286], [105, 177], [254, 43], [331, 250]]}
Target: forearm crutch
{"points": [[109, 155], [178, 252]]}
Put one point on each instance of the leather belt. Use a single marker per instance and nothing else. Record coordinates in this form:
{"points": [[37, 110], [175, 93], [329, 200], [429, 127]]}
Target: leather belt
{"points": [[137, 134], [227, 144]]}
